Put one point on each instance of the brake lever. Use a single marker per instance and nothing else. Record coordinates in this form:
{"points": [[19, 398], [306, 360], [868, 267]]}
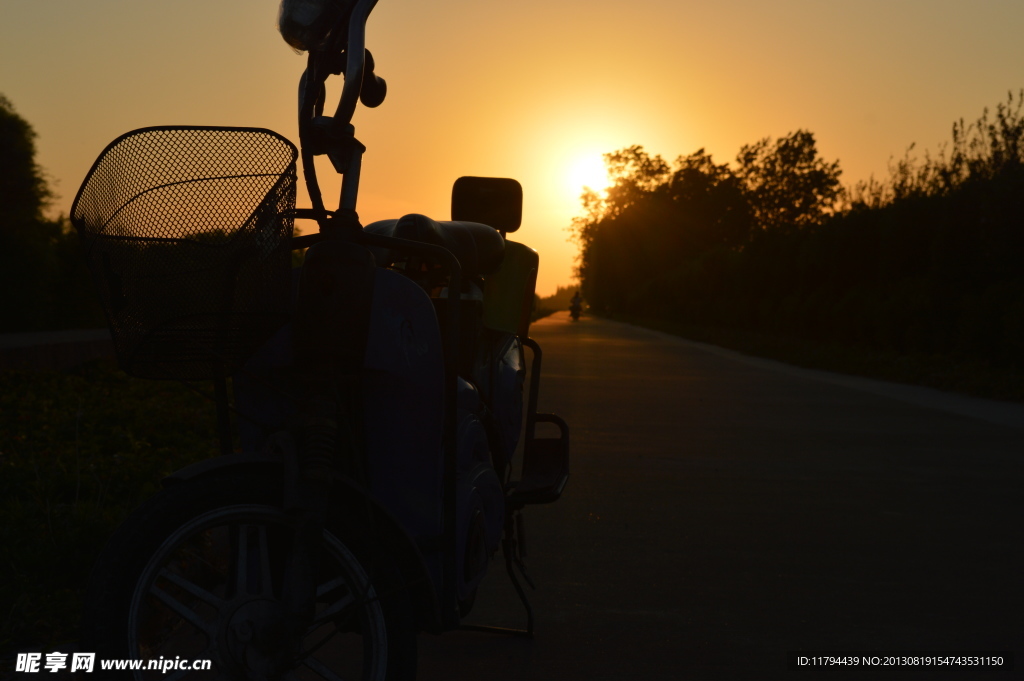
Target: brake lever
{"points": [[374, 88]]}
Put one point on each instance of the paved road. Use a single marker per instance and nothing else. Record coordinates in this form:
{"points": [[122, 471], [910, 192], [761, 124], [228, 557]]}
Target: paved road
{"points": [[722, 512]]}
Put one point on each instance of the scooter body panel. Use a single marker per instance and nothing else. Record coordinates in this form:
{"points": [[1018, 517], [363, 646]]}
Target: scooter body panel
{"points": [[403, 410]]}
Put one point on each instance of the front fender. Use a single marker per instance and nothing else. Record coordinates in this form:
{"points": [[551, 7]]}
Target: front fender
{"points": [[379, 531]]}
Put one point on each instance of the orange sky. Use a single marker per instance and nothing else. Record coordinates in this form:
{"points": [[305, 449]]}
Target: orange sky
{"points": [[532, 90]]}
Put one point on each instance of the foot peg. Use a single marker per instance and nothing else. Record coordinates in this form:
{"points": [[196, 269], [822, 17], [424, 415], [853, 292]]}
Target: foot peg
{"points": [[545, 466]]}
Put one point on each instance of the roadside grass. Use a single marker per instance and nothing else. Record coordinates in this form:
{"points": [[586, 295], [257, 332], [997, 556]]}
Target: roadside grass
{"points": [[79, 449], [943, 372]]}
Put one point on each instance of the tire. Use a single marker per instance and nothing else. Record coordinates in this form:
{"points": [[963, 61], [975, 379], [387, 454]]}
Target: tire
{"points": [[196, 574]]}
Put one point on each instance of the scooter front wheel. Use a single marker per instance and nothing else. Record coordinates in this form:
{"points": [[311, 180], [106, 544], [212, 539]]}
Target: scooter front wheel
{"points": [[197, 575]]}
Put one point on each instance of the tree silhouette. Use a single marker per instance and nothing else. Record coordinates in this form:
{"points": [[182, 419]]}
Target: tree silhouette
{"points": [[712, 204], [654, 219], [787, 184], [23, 190], [42, 274]]}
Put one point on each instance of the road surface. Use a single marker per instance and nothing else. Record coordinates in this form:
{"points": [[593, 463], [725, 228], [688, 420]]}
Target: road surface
{"points": [[723, 511]]}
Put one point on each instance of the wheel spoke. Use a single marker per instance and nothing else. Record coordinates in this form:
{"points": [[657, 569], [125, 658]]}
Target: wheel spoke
{"points": [[332, 610], [252, 567], [330, 586], [321, 669], [242, 559], [182, 610], [187, 585], [266, 587]]}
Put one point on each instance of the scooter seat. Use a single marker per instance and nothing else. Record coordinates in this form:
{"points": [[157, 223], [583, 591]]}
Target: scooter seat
{"points": [[478, 247]]}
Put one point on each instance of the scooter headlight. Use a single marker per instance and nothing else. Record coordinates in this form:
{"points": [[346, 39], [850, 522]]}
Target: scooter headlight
{"points": [[306, 24]]}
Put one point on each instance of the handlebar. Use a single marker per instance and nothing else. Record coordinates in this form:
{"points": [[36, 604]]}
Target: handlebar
{"points": [[343, 49], [356, 51]]}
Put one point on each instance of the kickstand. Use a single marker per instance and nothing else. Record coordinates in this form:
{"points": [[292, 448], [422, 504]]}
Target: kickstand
{"points": [[513, 548]]}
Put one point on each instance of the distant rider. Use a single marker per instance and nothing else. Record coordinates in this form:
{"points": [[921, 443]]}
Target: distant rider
{"points": [[576, 305]]}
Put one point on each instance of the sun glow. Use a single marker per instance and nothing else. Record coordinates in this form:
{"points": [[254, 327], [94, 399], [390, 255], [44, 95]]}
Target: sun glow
{"points": [[587, 171]]}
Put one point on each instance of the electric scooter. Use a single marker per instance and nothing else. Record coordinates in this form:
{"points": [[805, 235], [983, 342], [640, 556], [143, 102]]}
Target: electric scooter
{"points": [[376, 452]]}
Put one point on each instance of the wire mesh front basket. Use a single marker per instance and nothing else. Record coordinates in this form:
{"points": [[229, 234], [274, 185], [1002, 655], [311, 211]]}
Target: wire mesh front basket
{"points": [[187, 231]]}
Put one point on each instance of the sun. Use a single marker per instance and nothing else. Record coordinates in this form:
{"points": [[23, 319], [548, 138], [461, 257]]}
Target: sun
{"points": [[587, 171]]}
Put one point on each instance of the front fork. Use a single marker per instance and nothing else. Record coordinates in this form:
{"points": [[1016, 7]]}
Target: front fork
{"points": [[332, 313], [306, 496]]}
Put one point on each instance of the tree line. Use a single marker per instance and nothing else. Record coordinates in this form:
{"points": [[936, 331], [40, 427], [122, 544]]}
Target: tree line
{"points": [[926, 261]]}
